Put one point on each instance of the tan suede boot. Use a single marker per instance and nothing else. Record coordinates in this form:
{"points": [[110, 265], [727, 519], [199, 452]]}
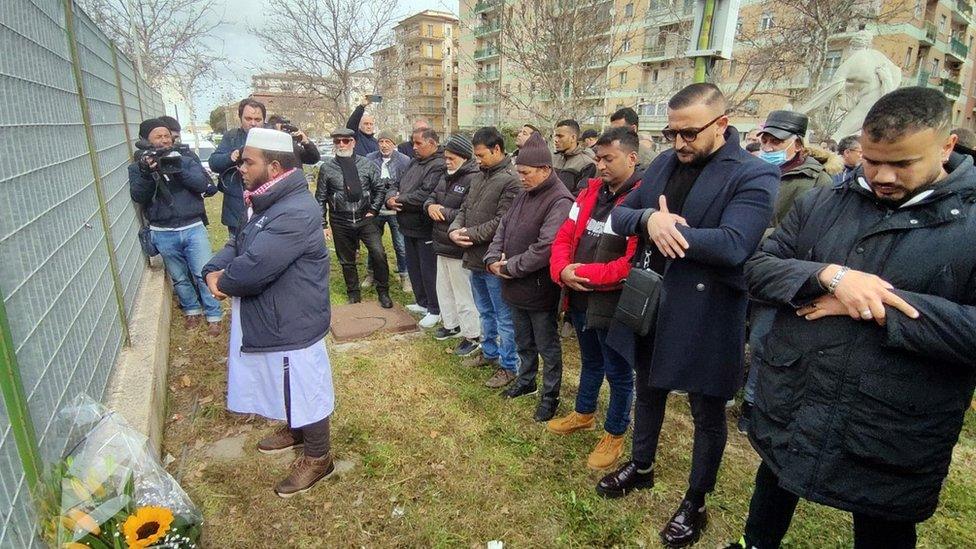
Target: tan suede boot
{"points": [[305, 472], [571, 423], [607, 452]]}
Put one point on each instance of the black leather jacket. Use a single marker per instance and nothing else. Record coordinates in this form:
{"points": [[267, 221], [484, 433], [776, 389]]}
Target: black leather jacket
{"points": [[331, 193]]}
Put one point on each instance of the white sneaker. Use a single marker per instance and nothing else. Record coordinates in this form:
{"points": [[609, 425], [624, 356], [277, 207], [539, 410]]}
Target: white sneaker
{"points": [[417, 309], [429, 321]]}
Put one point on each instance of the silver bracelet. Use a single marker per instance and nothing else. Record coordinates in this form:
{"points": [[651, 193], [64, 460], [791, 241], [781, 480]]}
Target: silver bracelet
{"points": [[836, 280]]}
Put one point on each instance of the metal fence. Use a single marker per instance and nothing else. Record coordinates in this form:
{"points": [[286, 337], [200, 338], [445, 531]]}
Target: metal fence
{"points": [[70, 262]]}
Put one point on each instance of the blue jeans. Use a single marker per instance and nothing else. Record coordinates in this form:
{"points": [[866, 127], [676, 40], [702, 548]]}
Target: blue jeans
{"points": [[760, 325], [599, 361], [399, 249], [497, 330], [185, 253]]}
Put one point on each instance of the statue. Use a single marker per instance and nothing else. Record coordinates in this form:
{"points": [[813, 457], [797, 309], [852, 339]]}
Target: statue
{"points": [[858, 83]]}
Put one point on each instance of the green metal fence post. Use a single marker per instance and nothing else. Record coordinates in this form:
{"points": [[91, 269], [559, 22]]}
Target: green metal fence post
{"points": [[96, 169], [15, 400], [118, 84]]}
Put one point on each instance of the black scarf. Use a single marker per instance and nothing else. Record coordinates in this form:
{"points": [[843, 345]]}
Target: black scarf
{"points": [[350, 176]]}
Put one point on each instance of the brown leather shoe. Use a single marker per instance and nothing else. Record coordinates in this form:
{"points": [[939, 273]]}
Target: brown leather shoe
{"points": [[214, 329], [192, 321], [501, 378], [279, 441], [305, 472], [478, 361]]}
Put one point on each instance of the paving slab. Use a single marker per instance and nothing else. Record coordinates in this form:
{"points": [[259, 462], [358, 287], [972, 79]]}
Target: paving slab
{"points": [[362, 320]]}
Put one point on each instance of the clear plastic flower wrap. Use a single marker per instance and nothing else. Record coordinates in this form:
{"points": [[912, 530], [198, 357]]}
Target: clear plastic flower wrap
{"points": [[108, 490]]}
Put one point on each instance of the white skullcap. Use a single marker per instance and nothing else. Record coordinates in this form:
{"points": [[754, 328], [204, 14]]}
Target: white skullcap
{"points": [[269, 140]]}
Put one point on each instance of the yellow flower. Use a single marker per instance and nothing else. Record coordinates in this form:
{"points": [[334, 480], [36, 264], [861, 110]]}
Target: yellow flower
{"points": [[96, 488], [83, 521], [80, 490], [147, 526], [75, 545]]}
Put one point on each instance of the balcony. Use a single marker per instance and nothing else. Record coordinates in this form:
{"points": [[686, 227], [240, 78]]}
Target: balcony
{"points": [[951, 88], [924, 78], [485, 53], [487, 76], [671, 48], [486, 29], [963, 8], [482, 6], [958, 49], [931, 33], [424, 75], [661, 12]]}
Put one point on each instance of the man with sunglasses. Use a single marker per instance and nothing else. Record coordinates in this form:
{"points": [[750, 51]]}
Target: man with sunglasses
{"points": [[699, 214], [351, 194]]}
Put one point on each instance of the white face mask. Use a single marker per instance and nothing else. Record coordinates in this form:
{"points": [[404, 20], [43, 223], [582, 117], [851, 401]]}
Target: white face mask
{"points": [[344, 154]]}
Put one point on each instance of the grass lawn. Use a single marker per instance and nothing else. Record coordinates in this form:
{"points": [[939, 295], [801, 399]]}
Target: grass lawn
{"points": [[440, 460]]}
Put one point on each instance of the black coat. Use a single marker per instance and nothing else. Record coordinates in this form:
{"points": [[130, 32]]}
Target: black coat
{"points": [[175, 200], [483, 208], [450, 193], [414, 188], [279, 266], [848, 413], [330, 192], [698, 342]]}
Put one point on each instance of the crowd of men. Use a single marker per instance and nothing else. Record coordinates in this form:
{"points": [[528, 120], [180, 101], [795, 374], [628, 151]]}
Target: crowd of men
{"points": [[851, 275]]}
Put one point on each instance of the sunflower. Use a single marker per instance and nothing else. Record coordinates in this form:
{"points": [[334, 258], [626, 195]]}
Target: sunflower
{"points": [[147, 526]]}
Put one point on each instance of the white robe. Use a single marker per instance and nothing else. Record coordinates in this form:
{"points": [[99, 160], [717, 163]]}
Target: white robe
{"points": [[255, 381]]}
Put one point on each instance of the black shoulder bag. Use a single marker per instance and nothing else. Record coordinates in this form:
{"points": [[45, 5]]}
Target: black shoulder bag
{"points": [[637, 308]]}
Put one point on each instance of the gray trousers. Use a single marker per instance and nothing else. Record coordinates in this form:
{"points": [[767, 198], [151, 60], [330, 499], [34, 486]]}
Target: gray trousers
{"points": [[537, 333]]}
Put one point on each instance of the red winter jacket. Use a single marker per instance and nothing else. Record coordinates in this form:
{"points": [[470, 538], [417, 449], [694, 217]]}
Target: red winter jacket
{"points": [[603, 276]]}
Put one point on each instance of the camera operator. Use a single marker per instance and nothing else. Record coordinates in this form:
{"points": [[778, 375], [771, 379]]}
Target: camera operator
{"points": [[168, 185], [175, 130], [225, 159], [305, 150]]}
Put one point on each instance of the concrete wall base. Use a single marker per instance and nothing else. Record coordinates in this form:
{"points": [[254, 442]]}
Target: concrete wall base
{"points": [[137, 387]]}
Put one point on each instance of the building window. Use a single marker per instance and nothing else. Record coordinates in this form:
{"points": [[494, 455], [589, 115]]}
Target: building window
{"points": [[430, 30], [623, 78], [447, 30], [831, 63], [430, 50], [935, 68], [655, 75], [942, 23], [766, 22], [629, 10], [908, 57], [626, 46], [919, 8], [738, 27]]}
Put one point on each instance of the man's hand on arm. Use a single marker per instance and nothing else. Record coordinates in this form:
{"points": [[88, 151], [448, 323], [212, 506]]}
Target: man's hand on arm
{"points": [[496, 268], [392, 203], [860, 295], [436, 212], [212, 279], [662, 229], [572, 281]]}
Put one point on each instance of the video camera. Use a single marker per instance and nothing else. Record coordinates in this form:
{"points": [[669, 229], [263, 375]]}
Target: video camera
{"points": [[168, 160]]}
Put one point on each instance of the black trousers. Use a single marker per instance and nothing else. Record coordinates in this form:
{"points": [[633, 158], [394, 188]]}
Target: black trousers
{"points": [[771, 511], [347, 237], [711, 431], [316, 436], [537, 333], [422, 268]]}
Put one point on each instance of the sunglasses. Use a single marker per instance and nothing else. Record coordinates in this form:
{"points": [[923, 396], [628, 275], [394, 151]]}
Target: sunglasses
{"points": [[687, 134], [342, 141]]}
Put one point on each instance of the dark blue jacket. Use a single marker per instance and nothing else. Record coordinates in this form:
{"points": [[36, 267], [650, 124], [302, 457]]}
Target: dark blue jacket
{"points": [[230, 182], [365, 143], [700, 334], [279, 266], [177, 200]]}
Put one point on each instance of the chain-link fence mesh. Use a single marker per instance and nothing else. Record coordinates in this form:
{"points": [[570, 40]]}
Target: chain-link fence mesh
{"points": [[56, 277]]}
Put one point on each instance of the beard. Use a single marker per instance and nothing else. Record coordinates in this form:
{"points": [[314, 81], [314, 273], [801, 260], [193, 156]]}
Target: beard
{"points": [[344, 154], [258, 180], [454, 171]]}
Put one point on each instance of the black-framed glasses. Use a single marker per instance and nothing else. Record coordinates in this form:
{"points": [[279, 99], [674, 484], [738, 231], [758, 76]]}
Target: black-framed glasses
{"points": [[687, 134]]}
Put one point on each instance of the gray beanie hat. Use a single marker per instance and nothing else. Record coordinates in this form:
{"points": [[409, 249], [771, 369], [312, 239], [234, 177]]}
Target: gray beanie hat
{"points": [[460, 145]]}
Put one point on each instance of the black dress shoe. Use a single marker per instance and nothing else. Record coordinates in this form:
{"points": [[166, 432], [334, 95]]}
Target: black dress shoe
{"points": [[745, 418], [546, 409], [385, 300], [686, 525], [624, 481], [354, 299]]}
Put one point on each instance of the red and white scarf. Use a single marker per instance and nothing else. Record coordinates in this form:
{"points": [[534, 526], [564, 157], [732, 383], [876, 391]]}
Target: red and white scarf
{"points": [[264, 188]]}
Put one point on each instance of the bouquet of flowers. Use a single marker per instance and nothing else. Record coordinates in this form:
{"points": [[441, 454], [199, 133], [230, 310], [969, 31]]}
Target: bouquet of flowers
{"points": [[108, 490]]}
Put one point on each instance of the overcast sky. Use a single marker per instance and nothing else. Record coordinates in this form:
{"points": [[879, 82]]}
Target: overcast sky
{"points": [[247, 56]]}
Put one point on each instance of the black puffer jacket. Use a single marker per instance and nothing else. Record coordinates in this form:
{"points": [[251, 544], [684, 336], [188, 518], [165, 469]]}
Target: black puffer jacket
{"points": [[847, 413], [414, 188], [331, 192], [450, 193]]}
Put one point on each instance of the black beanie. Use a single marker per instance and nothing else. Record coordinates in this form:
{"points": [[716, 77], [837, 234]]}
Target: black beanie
{"points": [[149, 125]]}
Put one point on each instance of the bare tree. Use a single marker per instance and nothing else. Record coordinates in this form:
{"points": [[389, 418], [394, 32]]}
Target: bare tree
{"points": [[562, 51], [158, 33], [329, 42], [786, 55], [195, 71]]}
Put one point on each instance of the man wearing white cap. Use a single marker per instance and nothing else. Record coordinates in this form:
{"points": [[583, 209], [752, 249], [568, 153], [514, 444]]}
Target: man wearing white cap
{"points": [[276, 270]]}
